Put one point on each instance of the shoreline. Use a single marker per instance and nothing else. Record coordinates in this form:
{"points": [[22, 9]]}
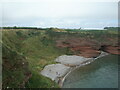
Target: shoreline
{"points": [[61, 78], [61, 82]]}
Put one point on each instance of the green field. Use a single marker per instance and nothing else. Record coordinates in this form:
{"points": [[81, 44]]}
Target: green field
{"points": [[37, 48]]}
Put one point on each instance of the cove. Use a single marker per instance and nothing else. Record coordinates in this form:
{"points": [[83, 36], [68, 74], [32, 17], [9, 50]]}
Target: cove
{"points": [[102, 73]]}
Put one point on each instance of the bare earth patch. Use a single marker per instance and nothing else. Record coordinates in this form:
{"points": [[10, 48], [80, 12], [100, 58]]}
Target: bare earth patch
{"points": [[86, 47]]}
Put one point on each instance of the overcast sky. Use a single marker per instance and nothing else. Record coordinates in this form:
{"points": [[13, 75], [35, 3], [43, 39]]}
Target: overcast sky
{"points": [[60, 13]]}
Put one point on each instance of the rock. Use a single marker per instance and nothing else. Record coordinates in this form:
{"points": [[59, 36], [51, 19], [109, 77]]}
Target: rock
{"points": [[86, 51], [113, 49], [102, 55], [55, 71], [72, 60]]}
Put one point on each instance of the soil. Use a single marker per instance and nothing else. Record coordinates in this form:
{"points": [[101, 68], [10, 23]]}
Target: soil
{"points": [[112, 49], [86, 47]]}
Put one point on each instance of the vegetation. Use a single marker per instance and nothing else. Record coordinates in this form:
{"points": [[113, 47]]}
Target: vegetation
{"points": [[39, 51], [37, 48], [112, 28], [15, 27], [15, 68]]}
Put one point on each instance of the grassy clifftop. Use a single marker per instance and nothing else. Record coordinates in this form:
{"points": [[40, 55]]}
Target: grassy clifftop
{"points": [[33, 47]]}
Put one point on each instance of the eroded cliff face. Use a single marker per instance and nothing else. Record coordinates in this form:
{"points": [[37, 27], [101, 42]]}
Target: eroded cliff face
{"points": [[111, 49], [87, 47]]}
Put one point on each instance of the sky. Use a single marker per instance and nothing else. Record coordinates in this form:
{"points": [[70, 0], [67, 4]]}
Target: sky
{"points": [[60, 13]]}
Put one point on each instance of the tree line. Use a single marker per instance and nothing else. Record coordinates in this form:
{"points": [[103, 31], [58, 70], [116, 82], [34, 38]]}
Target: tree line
{"points": [[112, 28], [22, 28]]}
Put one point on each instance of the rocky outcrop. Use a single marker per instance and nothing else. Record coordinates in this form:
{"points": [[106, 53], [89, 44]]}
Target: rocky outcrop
{"points": [[112, 49], [55, 71], [72, 60], [102, 54]]}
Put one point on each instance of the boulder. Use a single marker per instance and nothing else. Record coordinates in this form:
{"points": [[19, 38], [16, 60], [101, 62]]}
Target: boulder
{"points": [[55, 71]]}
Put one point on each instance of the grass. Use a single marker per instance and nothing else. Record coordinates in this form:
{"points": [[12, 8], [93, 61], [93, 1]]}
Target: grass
{"points": [[38, 49], [39, 81], [13, 71]]}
